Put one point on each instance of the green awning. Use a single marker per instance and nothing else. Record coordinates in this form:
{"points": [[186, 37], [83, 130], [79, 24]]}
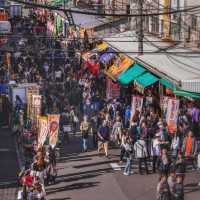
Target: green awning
{"points": [[59, 2], [146, 80], [131, 74], [186, 94], [168, 84]]}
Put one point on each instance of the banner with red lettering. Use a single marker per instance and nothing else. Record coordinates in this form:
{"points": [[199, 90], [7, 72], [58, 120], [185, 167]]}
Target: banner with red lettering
{"points": [[112, 89], [137, 104], [53, 126], [164, 104], [172, 114], [42, 130], [36, 107]]}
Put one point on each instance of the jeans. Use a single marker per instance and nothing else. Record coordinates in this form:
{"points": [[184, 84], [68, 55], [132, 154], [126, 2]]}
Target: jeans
{"points": [[85, 144], [128, 166], [143, 160]]}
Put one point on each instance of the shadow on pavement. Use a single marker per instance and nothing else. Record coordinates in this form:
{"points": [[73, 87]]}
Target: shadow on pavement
{"points": [[74, 186], [61, 198], [105, 170], [74, 157], [77, 178], [94, 164]]}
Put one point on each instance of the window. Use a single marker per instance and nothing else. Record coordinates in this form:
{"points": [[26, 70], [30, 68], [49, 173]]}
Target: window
{"points": [[194, 22]]}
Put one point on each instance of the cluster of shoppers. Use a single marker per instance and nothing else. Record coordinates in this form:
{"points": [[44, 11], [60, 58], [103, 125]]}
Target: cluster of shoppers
{"points": [[74, 93]]}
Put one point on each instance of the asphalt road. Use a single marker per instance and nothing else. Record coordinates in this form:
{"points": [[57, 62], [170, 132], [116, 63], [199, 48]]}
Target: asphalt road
{"points": [[83, 176], [8, 166]]}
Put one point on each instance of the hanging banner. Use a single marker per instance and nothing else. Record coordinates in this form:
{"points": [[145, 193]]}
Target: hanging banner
{"points": [[43, 130], [112, 89], [30, 92], [137, 103], [36, 107], [53, 125], [164, 104], [172, 114]]}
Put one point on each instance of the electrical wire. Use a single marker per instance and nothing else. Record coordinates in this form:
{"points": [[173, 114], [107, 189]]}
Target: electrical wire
{"points": [[105, 14]]}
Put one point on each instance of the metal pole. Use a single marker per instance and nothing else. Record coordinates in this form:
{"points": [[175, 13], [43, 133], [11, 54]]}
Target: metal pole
{"points": [[140, 27], [185, 25]]}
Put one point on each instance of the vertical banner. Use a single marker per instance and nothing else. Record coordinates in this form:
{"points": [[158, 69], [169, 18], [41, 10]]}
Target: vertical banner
{"points": [[30, 92], [164, 104], [42, 130], [112, 89], [53, 125], [36, 107], [137, 103], [172, 114]]}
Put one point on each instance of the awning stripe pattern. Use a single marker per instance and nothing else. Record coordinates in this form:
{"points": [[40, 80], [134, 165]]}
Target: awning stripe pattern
{"points": [[131, 74], [186, 94], [146, 80]]}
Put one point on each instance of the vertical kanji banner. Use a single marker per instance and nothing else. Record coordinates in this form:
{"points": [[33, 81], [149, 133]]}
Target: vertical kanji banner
{"points": [[112, 89], [42, 130], [36, 107], [164, 104], [172, 114], [137, 104], [53, 125]]}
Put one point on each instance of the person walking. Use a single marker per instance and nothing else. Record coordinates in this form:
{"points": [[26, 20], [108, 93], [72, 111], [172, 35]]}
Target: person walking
{"points": [[189, 148], [141, 154], [163, 192], [129, 156], [103, 137], [155, 151], [164, 163], [123, 145], [85, 128]]}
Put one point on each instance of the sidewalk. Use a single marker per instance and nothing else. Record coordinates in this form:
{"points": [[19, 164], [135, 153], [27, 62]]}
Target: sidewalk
{"points": [[83, 176], [9, 166]]}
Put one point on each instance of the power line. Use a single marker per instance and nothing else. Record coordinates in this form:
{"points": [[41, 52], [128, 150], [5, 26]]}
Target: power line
{"points": [[105, 14]]}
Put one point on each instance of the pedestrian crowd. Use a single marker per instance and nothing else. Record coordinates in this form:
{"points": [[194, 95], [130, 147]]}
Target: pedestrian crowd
{"points": [[79, 97]]}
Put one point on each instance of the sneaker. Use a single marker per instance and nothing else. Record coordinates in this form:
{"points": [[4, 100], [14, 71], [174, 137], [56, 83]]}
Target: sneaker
{"points": [[126, 174]]}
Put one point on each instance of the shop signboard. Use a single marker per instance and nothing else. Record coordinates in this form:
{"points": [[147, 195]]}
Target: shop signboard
{"points": [[112, 89], [137, 104], [172, 114], [53, 126], [42, 130]]}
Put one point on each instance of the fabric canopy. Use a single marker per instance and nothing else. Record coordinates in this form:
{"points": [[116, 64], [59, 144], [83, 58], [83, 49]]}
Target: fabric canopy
{"points": [[186, 94], [131, 74], [107, 56], [59, 2], [168, 84], [124, 66], [146, 80], [93, 67], [102, 47]]}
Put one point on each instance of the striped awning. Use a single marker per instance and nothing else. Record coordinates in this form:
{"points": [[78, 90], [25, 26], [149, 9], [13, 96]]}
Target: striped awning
{"points": [[191, 85]]}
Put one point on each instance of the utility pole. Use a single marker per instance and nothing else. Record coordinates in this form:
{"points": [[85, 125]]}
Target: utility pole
{"points": [[140, 31], [185, 34]]}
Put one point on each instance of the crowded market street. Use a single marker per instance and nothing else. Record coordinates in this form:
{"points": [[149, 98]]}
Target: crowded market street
{"points": [[97, 110]]}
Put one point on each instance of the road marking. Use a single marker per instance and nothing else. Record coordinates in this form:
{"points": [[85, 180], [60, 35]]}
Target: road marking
{"points": [[116, 166]]}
